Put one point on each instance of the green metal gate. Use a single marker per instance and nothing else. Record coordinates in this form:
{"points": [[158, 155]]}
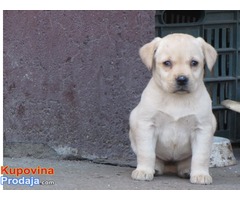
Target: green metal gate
{"points": [[222, 30]]}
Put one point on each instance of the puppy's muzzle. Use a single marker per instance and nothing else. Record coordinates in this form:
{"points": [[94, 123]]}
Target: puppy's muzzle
{"points": [[182, 84]]}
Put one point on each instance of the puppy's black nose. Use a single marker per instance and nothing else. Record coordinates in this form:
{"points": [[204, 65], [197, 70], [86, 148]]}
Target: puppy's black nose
{"points": [[182, 80]]}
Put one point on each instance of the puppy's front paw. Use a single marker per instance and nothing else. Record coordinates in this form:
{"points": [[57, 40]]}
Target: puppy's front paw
{"points": [[205, 179], [142, 175]]}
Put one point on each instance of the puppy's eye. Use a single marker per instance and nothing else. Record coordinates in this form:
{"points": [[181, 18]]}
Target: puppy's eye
{"points": [[194, 63], [167, 63]]}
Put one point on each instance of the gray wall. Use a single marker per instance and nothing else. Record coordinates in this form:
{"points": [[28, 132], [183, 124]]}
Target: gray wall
{"points": [[71, 79]]}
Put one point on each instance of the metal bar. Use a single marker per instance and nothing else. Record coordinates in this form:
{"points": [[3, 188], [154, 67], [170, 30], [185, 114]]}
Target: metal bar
{"points": [[223, 50], [214, 94], [208, 39], [221, 120], [223, 66], [222, 92], [216, 37], [218, 107], [219, 79], [224, 38], [229, 22]]}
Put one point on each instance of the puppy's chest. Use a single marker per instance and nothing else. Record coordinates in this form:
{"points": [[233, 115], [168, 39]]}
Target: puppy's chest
{"points": [[174, 135], [164, 121]]}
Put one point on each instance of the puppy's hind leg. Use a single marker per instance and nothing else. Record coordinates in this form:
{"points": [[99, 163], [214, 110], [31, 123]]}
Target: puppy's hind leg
{"points": [[183, 168], [159, 166]]}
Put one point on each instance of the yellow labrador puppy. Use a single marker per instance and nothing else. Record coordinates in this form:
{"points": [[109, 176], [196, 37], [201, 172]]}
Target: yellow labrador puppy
{"points": [[173, 125]]}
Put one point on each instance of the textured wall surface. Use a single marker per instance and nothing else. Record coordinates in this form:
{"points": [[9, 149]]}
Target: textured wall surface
{"points": [[71, 79]]}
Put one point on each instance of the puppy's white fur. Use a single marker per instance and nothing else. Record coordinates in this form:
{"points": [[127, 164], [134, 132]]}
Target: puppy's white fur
{"points": [[171, 125]]}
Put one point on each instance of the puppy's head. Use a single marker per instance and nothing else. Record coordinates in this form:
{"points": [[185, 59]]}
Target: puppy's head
{"points": [[177, 61]]}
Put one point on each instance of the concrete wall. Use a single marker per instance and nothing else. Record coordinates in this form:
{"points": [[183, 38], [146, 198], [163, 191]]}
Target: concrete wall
{"points": [[71, 79]]}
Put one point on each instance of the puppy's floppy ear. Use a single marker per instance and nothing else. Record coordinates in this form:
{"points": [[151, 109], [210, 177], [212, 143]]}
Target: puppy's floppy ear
{"points": [[147, 52], [209, 52]]}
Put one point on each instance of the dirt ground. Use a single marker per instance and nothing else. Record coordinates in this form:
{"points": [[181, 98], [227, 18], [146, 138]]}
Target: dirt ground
{"points": [[86, 175]]}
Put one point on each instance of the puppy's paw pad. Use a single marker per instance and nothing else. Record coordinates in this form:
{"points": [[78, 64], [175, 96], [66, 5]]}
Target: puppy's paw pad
{"points": [[142, 175], [204, 179]]}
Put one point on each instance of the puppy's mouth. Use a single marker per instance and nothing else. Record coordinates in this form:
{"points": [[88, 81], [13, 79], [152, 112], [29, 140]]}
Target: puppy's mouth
{"points": [[181, 90]]}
